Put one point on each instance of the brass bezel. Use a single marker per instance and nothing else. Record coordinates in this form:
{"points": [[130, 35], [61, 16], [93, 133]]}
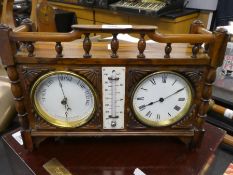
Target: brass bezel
{"points": [[178, 117], [51, 119]]}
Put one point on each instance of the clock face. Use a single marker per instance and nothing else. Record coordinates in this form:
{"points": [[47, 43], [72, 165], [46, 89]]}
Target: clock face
{"points": [[162, 98], [63, 99]]}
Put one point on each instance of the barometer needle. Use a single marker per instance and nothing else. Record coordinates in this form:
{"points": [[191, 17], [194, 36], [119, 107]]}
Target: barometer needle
{"points": [[64, 101]]}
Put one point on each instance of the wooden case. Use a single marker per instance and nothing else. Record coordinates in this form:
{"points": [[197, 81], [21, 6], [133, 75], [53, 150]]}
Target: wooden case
{"points": [[29, 55]]}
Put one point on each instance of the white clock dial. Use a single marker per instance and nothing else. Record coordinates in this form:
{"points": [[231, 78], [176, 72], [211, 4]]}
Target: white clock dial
{"points": [[162, 98], [63, 99], [113, 85]]}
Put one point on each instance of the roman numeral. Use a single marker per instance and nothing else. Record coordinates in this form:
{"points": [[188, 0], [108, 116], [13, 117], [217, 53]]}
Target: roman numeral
{"points": [[164, 78], [169, 114], [148, 114], [158, 116], [177, 108], [153, 81], [140, 98], [142, 107], [144, 89], [181, 99], [174, 82]]}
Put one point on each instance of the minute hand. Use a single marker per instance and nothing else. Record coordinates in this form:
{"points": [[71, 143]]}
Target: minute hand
{"points": [[174, 93]]}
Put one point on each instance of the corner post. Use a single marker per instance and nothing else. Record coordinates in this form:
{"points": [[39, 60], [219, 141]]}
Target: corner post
{"points": [[216, 53], [9, 48]]}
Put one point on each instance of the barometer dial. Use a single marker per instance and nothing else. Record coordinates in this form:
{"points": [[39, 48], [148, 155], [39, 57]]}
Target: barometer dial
{"points": [[64, 99]]}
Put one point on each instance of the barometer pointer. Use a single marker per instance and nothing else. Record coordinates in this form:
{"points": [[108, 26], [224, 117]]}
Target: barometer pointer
{"points": [[64, 101]]}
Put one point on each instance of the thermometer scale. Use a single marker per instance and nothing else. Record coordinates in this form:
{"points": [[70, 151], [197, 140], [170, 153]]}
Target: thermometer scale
{"points": [[113, 82]]}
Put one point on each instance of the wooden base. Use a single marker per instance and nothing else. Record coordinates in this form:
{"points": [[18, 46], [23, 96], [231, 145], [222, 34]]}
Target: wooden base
{"points": [[96, 155]]}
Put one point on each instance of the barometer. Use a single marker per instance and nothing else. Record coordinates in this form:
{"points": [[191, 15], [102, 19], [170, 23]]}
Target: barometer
{"points": [[63, 99]]}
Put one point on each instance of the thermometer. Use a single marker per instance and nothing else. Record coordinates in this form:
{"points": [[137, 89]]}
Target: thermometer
{"points": [[113, 85]]}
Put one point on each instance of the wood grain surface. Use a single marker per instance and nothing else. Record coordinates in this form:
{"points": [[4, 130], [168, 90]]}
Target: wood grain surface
{"points": [[121, 156]]}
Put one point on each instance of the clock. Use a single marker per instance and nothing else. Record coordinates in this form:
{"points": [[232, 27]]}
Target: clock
{"points": [[63, 99], [162, 98]]}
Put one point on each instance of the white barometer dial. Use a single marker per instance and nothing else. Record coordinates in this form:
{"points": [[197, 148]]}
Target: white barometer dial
{"points": [[64, 99], [113, 85], [162, 98]]}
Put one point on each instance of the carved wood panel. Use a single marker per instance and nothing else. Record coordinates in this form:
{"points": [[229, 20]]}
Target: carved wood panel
{"points": [[194, 75]]}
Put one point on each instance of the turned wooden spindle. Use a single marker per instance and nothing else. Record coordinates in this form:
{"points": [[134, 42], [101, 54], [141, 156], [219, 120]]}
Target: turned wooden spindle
{"points": [[195, 50], [168, 50], [114, 45], [87, 45], [30, 48], [204, 104], [59, 49], [18, 96], [141, 46]]}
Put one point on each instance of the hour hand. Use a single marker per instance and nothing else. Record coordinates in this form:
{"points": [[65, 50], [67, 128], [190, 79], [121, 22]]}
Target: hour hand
{"points": [[153, 102]]}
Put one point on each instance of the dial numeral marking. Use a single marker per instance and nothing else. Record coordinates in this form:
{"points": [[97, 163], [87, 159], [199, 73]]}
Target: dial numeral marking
{"points": [[164, 78], [140, 98], [88, 97], [65, 77], [148, 114], [174, 82], [169, 114], [82, 85], [142, 107], [177, 108], [158, 116], [50, 82], [153, 81], [144, 89], [181, 99]]}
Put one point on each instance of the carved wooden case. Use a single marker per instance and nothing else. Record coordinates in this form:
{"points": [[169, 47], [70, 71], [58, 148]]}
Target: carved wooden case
{"points": [[27, 59]]}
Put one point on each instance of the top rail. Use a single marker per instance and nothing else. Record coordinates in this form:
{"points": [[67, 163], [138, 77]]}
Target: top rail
{"points": [[215, 42], [181, 38], [115, 28], [78, 30], [45, 36]]}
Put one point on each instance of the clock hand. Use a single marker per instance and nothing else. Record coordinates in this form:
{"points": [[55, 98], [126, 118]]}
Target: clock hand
{"points": [[174, 93], [162, 99], [151, 103]]}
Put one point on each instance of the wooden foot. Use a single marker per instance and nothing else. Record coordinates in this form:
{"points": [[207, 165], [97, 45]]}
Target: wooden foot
{"points": [[27, 140], [197, 138]]}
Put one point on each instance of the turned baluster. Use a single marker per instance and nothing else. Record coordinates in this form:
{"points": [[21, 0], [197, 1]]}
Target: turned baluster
{"points": [[114, 45], [59, 49], [87, 46], [195, 50], [168, 50], [30, 48], [18, 96], [141, 46]]}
